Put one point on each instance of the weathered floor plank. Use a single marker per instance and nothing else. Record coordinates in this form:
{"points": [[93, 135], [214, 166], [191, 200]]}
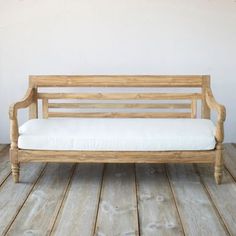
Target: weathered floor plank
{"points": [[196, 211], [40, 209], [117, 213], [3, 147], [223, 196], [81, 203], [230, 159], [5, 168], [157, 211], [12, 195]]}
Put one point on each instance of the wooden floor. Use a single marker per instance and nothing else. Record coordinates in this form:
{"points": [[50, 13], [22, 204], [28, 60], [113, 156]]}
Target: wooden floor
{"points": [[118, 199]]}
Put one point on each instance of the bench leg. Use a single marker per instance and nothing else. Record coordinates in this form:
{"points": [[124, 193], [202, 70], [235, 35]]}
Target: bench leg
{"points": [[219, 164], [15, 165], [15, 168]]}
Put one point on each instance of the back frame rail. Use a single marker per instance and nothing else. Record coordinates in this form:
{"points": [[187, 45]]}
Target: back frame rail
{"points": [[208, 103]]}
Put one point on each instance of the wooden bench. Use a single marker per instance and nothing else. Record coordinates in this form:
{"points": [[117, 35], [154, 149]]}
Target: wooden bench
{"points": [[140, 97]]}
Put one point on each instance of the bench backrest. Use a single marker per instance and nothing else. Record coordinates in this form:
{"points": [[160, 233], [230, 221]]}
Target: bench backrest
{"points": [[134, 96]]}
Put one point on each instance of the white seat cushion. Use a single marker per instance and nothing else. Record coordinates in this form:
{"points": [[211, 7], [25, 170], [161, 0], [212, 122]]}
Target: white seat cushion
{"points": [[104, 134]]}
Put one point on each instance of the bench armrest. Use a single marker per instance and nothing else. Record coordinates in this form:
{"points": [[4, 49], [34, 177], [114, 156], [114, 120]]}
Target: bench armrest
{"points": [[24, 103], [221, 114]]}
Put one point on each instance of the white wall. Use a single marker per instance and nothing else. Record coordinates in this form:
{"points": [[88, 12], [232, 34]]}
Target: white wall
{"points": [[117, 37]]}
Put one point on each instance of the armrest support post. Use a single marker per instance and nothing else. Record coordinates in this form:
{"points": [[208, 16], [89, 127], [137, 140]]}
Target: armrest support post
{"points": [[221, 114], [24, 103]]}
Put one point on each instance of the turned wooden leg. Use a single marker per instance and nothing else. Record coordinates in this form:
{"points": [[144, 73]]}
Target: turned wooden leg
{"points": [[15, 165], [15, 168], [219, 164]]}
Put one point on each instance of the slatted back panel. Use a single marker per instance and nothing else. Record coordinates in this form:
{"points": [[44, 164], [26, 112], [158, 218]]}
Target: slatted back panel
{"points": [[120, 104]]}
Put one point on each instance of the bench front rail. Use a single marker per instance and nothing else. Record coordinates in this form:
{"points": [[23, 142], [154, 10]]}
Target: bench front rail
{"points": [[108, 105]]}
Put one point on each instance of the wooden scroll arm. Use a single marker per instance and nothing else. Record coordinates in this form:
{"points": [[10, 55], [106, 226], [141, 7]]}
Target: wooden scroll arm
{"points": [[24, 103]]}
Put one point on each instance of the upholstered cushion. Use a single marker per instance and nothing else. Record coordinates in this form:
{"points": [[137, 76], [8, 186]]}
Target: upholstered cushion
{"points": [[104, 134]]}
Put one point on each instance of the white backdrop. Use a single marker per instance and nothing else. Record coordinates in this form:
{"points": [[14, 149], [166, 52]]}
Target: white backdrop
{"points": [[117, 37]]}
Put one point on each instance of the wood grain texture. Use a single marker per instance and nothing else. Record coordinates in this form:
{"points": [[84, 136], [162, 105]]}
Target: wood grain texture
{"points": [[196, 211], [121, 105], [230, 158], [157, 211], [117, 213], [116, 81], [39, 211], [121, 114], [116, 157], [5, 169], [121, 96], [80, 206], [224, 196], [170, 81], [13, 196]]}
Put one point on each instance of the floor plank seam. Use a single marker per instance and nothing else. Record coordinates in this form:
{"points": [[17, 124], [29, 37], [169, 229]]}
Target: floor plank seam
{"points": [[174, 198], [137, 200], [19, 209], [99, 198], [212, 201], [5, 178], [226, 167], [66, 191]]}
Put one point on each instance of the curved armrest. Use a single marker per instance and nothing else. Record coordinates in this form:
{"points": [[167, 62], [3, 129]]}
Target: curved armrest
{"points": [[24, 103], [221, 114]]}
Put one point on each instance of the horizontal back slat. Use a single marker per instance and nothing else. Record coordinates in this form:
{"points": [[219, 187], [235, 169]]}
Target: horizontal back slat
{"points": [[121, 96], [117, 81], [173, 90], [121, 105], [120, 115]]}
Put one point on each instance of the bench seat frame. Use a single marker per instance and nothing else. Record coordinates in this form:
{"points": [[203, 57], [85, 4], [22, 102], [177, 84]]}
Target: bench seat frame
{"points": [[32, 96]]}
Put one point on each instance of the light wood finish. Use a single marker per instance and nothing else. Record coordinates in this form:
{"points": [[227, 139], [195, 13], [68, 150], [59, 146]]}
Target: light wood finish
{"points": [[116, 157], [45, 108], [116, 81], [13, 196], [196, 211], [33, 108], [117, 214], [4, 163], [182, 200], [38, 212], [122, 105], [206, 111], [121, 96], [157, 210], [191, 98], [84, 191], [222, 196], [120, 115], [194, 109]]}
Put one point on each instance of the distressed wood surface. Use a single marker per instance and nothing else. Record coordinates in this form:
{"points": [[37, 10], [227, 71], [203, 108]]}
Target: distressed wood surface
{"points": [[117, 213], [224, 196], [157, 211], [81, 203], [196, 211], [204, 94], [117, 157], [60, 201], [116, 81], [5, 168], [41, 207], [230, 158], [13, 196]]}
